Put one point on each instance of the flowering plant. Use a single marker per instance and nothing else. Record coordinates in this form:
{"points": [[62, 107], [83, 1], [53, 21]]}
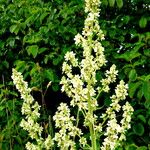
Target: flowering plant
{"points": [[84, 92]]}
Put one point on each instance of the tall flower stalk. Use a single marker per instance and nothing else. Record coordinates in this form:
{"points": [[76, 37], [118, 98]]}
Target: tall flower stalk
{"points": [[84, 92], [82, 87]]}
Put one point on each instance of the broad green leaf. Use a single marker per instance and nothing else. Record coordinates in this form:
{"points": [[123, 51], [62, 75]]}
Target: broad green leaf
{"points": [[128, 56], [111, 3], [143, 22], [133, 87], [20, 65], [146, 90], [138, 129], [32, 50], [132, 75], [119, 3], [142, 118]]}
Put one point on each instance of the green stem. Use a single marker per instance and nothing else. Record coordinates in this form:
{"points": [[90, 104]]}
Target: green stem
{"points": [[91, 125]]}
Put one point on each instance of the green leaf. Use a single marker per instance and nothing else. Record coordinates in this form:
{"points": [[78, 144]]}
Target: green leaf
{"points": [[111, 3], [14, 29], [133, 87], [142, 118], [20, 65], [140, 94], [146, 90], [119, 3], [132, 75], [32, 50], [55, 87], [41, 50], [131, 147], [143, 22], [43, 16], [49, 74], [138, 129], [147, 52], [128, 56], [142, 148], [105, 2]]}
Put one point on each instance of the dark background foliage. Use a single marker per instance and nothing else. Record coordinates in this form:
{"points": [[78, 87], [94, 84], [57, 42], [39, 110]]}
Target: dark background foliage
{"points": [[36, 34]]}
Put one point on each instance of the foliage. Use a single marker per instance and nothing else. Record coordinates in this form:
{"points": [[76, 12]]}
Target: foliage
{"points": [[11, 136], [36, 35], [33, 33]]}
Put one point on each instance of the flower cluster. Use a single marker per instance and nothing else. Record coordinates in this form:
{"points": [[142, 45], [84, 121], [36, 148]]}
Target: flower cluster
{"points": [[68, 131], [30, 109], [115, 133], [110, 78]]}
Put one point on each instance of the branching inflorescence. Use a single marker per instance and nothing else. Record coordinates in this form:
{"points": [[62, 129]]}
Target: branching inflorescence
{"points": [[84, 93], [30, 109]]}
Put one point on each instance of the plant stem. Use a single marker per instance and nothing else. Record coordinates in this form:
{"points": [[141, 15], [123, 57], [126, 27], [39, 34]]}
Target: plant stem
{"points": [[91, 125]]}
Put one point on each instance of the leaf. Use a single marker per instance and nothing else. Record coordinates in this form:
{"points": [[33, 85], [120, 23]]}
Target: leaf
{"points": [[132, 75], [138, 129], [147, 52], [111, 3], [41, 50], [14, 29], [146, 90], [142, 118], [20, 65], [105, 2], [142, 148], [43, 16], [128, 56], [143, 22], [32, 50], [55, 87], [119, 3], [140, 94], [131, 147], [132, 53], [49, 74], [133, 87]]}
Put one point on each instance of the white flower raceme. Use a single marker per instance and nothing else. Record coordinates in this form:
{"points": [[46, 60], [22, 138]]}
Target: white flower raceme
{"points": [[115, 132], [82, 87], [68, 131], [30, 108]]}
